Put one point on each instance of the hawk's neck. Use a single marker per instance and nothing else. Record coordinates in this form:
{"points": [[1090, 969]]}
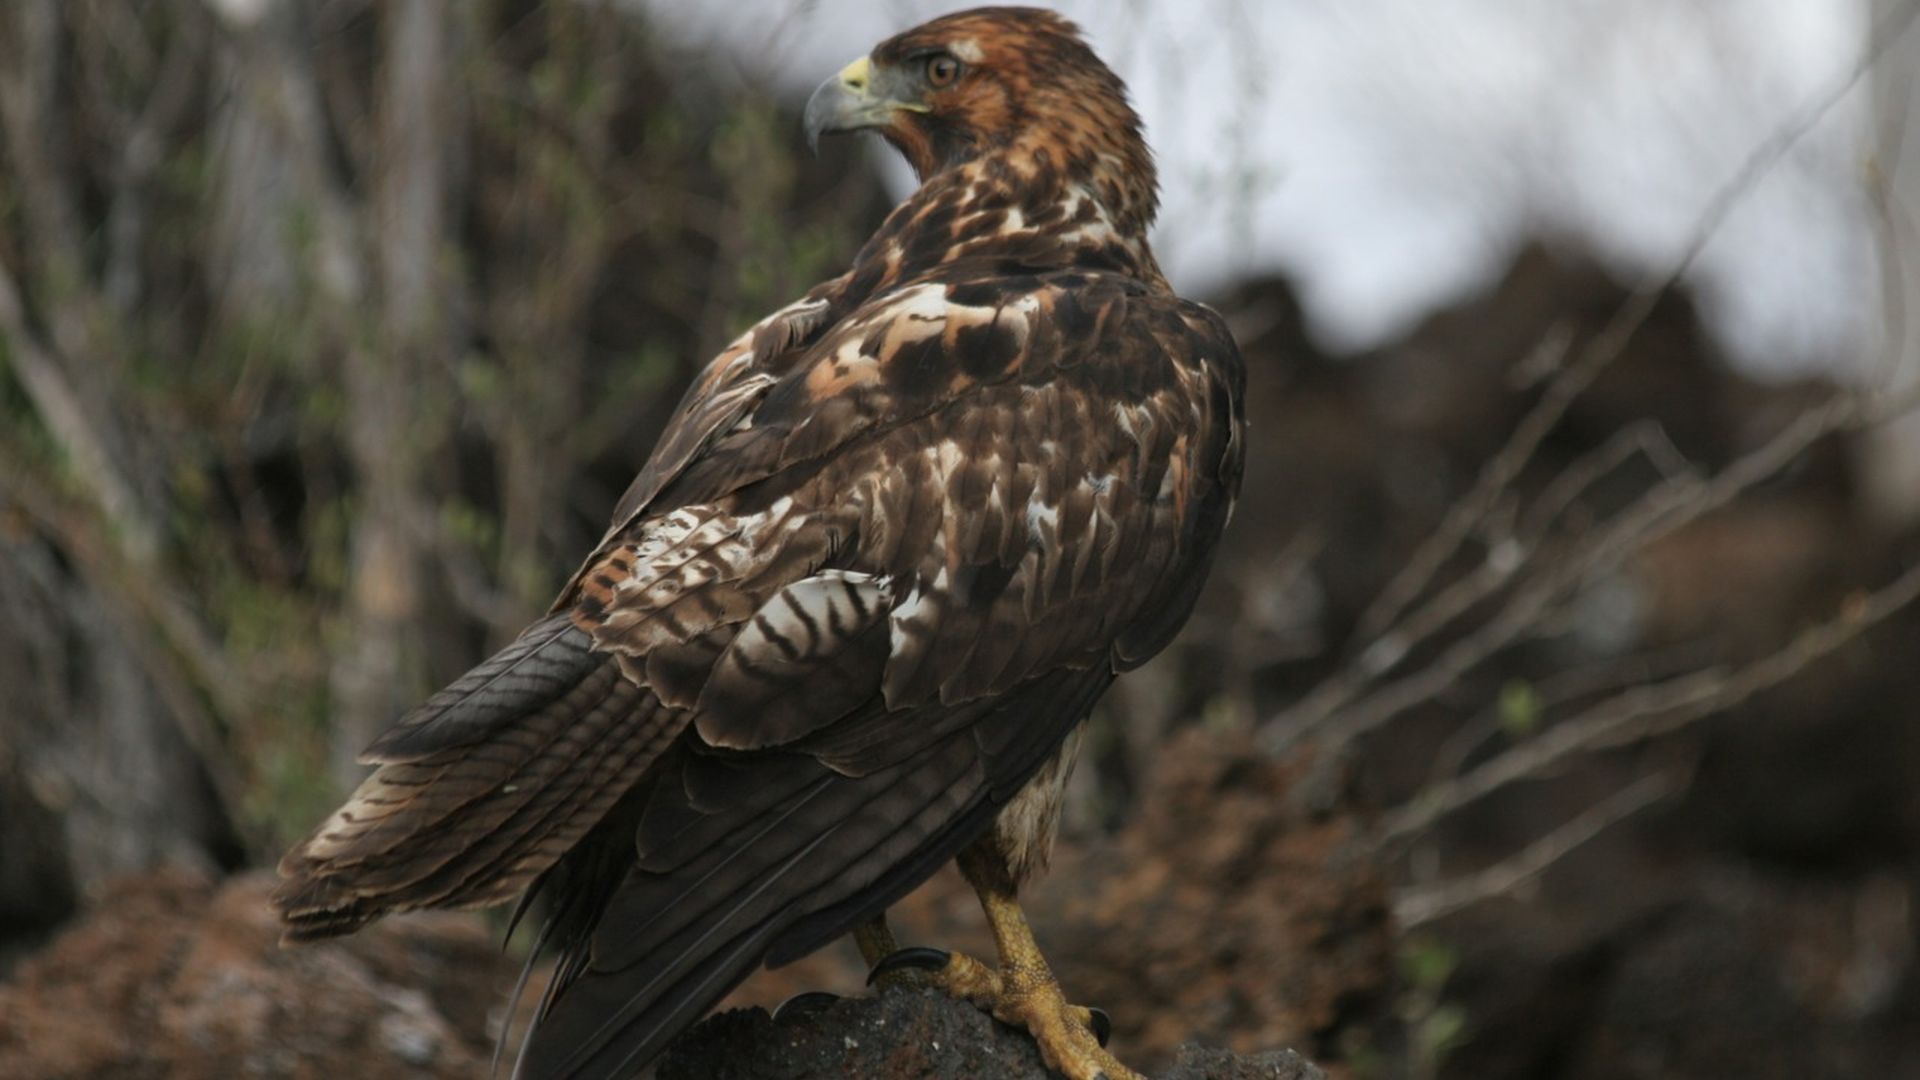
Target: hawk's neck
{"points": [[1003, 212]]}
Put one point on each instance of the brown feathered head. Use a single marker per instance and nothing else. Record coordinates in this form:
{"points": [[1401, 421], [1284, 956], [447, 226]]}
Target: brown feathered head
{"points": [[1014, 86]]}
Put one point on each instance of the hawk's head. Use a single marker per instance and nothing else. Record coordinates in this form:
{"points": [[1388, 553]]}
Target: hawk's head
{"points": [[1015, 84]]}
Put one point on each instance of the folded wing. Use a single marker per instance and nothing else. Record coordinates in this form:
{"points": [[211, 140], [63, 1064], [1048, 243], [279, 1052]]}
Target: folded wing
{"points": [[893, 589]]}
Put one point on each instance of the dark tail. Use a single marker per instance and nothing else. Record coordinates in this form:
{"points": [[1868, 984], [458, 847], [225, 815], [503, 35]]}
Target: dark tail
{"points": [[721, 861]]}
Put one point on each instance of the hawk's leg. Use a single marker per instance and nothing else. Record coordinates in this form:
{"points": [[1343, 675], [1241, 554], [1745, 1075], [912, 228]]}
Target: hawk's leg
{"points": [[875, 939], [1022, 990]]}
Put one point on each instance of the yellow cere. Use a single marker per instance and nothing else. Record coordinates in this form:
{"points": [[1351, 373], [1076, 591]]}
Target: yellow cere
{"points": [[854, 75]]}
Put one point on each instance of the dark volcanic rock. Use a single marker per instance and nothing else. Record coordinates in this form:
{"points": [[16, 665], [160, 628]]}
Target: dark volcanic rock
{"points": [[1210, 1063], [905, 1034]]}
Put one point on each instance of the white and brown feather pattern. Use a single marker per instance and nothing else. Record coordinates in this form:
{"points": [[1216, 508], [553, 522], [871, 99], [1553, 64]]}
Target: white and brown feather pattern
{"points": [[896, 539], [1025, 828], [719, 400], [949, 531], [807, 657], [475, 824]]}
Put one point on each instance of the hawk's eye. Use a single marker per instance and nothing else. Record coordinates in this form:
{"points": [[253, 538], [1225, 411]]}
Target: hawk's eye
{"points": [[942, 69]]}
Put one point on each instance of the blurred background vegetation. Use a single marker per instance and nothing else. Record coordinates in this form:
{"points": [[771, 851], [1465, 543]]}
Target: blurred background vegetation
{"points": [[319, 371], [1551, 712]]}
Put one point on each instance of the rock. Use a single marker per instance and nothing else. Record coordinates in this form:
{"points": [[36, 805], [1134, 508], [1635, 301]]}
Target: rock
{"points": [[172, 976], [909, 1034], [1210, 1063]]}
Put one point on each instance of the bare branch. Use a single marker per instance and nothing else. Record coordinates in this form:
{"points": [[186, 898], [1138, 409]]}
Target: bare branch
{"points": [[1417, 906], [1563, 688], [67, 417], [1508, 558], [1643, 438], [1645, 711], [183, 661], [61, 355], [1499, 473], [1661, 510]]}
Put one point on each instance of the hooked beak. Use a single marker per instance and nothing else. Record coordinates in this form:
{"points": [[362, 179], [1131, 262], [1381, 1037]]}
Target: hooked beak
{"points": [[852, 101]]}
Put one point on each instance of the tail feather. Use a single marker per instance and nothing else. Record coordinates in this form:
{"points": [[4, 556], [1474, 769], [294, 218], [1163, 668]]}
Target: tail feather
{"points": [[662, 940], [472, 813], [545, 662], [604, 1021]]}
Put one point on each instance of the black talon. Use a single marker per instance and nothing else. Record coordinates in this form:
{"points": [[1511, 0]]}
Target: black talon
{"points": [[1101, 1023], [812, 1001], [914, 956]]}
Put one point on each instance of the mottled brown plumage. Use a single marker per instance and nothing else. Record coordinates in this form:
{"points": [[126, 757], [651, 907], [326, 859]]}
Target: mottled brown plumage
{"points": [[895, 541]]}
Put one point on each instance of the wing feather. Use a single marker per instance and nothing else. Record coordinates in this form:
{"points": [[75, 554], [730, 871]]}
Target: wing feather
{"points": [[788, 877], [545, 662], [950, 536], [884, 559]]}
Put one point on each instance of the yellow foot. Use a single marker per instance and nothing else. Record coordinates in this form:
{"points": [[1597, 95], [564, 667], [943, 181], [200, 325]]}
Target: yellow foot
{"points": [[1072, 1038]]}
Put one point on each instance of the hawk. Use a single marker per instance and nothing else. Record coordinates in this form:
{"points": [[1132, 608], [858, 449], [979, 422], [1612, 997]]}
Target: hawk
{"points": [[895, 542]]}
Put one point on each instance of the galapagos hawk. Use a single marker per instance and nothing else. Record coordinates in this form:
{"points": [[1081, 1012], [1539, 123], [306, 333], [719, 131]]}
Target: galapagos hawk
{"points": [[896, 540]]}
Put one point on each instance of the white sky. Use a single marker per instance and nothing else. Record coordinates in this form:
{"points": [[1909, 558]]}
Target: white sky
{"points": [[1387, 156]]}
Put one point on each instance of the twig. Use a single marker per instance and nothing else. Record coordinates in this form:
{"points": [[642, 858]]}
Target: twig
{"points": [[1508, 558], [1563, 688], [1662, 509], [1417, 906], [1653, 709], [59, 405], [184, 664], [1643, 438]]}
